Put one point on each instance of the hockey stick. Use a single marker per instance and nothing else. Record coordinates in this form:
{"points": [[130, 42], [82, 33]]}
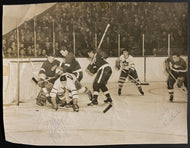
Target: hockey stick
{"points": [[36, 81], [108, 25], [174, 78], [140, 83], [107, 108]]}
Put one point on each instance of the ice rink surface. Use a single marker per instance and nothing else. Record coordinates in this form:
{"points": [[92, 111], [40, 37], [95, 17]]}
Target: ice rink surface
{"points": [[133, 119]]}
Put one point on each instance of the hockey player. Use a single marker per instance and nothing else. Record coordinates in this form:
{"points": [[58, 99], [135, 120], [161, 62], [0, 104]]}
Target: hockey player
{"points": [[176, 67], [100, 66], [47, 77], [125, 62], [71, 65], [68, 80]]}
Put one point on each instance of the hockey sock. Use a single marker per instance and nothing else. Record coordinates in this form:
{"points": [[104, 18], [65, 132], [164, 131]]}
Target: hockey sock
{"points": [[171, 91]]}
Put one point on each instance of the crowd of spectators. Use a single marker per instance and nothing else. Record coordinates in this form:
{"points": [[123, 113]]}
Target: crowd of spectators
{"points": [[81, 26]]}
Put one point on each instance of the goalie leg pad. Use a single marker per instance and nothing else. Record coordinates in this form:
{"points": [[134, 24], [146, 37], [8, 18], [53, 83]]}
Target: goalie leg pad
{"points": [[41, 99]]}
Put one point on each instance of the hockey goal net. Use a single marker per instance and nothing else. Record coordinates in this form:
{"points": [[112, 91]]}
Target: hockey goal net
{"points": [[18, 85]]}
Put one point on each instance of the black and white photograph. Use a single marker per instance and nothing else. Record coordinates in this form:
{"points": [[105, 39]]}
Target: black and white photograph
{"points": [[95, 73]]}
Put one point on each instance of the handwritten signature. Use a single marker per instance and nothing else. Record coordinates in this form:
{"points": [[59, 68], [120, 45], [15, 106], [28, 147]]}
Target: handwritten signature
{"points": [[55, 126], [167, 115]]}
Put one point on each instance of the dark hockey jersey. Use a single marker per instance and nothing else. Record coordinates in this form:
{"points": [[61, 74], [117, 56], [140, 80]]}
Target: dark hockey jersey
{"points": [[49, 69], [71, 64], [179, 66], [97, 62]]}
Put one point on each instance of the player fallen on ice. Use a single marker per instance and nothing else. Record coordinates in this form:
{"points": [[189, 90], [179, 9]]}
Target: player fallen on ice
{"points": [[69, 81], [126, 63], [72, 66], [100, 66], [46, 79], [176, 67]]}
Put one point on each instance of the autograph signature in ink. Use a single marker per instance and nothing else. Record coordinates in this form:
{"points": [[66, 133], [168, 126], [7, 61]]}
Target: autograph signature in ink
{"points": [[55, 126], [167, 116]]}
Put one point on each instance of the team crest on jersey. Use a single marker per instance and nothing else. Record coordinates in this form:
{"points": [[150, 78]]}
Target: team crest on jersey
{"points": [[54, 67], [125, 63]]}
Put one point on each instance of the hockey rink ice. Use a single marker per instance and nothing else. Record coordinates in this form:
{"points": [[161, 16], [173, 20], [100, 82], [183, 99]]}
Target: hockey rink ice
{"points": [[133, 119]]}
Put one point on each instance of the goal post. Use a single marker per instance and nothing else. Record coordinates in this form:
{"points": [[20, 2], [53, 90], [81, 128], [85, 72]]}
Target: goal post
{"points": [[17, 83]]}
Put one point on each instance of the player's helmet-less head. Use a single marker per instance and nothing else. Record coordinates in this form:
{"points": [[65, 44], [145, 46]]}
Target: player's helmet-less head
{"points": [[125, 52], [64, 51], [90, 52], [124, 49], [50, 56], [175, 57]]}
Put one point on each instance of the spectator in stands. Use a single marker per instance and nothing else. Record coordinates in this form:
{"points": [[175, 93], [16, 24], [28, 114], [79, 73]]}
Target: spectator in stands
{"points": [[8, 54], [123, 42], [59, 38], [148, 18], [14, 49], [57, 53], [29, 51], [11, 39], [28, 37], [48, 47], [58, 28], [38, 50], [22, 52], [33, 50], [154, 52], [44, 53]]}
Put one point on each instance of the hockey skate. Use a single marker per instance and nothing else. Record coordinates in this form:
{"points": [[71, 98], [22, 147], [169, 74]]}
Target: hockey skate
{"points": [[108, 100], [171, 98], [93, 102]]}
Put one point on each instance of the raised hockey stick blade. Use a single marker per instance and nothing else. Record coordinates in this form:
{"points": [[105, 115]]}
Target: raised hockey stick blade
{"points": [[107, 108]]}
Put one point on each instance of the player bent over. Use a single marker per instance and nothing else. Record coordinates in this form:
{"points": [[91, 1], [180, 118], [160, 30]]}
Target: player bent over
{"points": [[125, 62], [69, 81], [71, 65], [176, 67], [47, 78], [101, 67]]}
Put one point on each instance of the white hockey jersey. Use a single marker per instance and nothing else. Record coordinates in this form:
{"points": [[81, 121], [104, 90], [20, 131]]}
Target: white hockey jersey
{"points": [[126, 63]]}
